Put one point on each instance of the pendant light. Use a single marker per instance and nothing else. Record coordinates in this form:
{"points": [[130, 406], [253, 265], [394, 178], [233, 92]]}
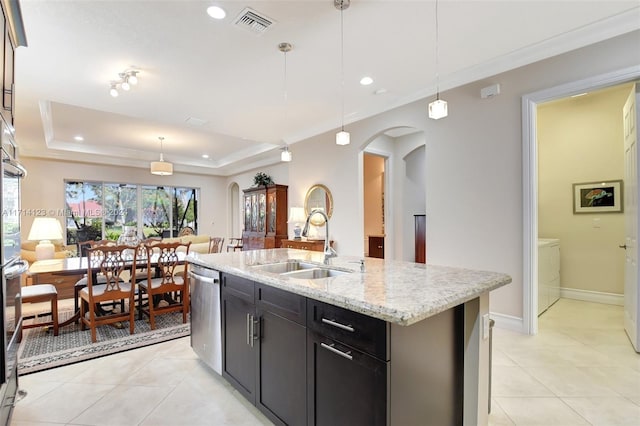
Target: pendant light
{"points": [[161, 168], [438, 108], [286, 155], [342, 137]]}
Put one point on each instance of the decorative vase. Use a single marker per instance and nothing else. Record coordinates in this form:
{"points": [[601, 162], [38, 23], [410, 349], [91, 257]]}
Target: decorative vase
{"points": [[129, 236]]}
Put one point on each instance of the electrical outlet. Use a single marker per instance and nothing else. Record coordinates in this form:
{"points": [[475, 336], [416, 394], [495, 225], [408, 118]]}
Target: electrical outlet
{"points": [[485, 326]]}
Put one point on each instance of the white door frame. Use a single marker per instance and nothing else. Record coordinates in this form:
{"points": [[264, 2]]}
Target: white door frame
{"points": [[530, 178]]}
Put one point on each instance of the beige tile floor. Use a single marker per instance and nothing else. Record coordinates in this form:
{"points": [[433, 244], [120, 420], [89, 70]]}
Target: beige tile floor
{"points": [[579, 370]]}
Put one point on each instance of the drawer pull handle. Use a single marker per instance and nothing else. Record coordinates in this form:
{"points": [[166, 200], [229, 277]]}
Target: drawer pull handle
{"points": [[331, 348], [249, 323], [337, 324]]}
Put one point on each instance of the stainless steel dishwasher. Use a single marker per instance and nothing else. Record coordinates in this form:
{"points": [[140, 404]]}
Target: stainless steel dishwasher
{"points": [[206, 330]]}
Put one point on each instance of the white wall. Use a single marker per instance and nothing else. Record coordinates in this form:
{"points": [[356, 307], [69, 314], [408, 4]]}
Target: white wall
{"points": [[414, 197], [43, 188], [581, 140], [473, 166]]}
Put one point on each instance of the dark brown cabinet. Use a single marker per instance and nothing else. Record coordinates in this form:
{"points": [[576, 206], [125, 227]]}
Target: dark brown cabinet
{"points": [[420, 238], [305, 362], [264, 348], [265, 217], [376, 246], [282, 356], [239, 335], [347, 364]]}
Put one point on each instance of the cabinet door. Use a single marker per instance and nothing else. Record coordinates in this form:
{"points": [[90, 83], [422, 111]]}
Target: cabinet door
{"points": [[281, 390], [247, 212], [239, 335], [345, 386], [262, 211], [271, 211], [376, 247]]}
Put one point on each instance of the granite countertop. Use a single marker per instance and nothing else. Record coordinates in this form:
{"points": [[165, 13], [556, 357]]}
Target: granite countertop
{"points": [[395, 291]]}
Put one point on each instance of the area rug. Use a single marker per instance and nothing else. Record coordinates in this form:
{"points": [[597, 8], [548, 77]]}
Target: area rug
{"points": [[41, 350]]}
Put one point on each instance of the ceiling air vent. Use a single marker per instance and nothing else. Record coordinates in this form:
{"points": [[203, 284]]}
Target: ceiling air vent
{"points": [[253, 21]]}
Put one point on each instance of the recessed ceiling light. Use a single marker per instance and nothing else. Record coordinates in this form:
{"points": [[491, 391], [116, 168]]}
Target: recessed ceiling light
{"points": [[205, 155], [366, 80], [78, 138], [216, 12]]}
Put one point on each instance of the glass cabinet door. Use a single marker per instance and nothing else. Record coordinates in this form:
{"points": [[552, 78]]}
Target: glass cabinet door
{"points": [[247, 212], [271, 217], [254, 212], [262, 209]]}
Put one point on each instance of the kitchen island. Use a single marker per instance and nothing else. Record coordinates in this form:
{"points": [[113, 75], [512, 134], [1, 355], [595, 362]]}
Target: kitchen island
{"points": [[382, 342]]}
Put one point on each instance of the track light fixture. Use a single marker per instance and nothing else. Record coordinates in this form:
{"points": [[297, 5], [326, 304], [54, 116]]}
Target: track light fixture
{"points": [[114, 90], [127, 79]]}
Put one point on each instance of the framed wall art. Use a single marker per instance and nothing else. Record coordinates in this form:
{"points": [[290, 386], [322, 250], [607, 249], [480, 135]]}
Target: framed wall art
{"points": [[598, 197]]}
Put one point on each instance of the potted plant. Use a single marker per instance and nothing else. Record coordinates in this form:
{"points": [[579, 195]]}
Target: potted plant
{"points": [[262, 179]]}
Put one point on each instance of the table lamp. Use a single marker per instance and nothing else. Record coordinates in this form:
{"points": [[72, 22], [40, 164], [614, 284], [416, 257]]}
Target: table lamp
{"points": [[45, 229], [296, 216]]}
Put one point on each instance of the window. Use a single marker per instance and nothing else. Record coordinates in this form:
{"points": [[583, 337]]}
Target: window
{"points": [[100, 210]]}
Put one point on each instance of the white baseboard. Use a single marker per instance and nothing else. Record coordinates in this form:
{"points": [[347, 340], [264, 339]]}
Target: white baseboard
{"points": [[592, 296], [507, 322]]}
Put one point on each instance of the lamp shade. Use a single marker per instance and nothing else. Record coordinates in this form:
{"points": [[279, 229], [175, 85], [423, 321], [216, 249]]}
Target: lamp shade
{"points": [[296, 215], [45, 228], [161, 168]]}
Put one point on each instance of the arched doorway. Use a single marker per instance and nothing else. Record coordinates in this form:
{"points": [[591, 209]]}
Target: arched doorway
{"points": [[393, 190]]}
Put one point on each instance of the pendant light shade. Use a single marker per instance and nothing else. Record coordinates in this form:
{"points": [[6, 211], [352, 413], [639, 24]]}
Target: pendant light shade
{"points": [[161, 168], [286, 155], [343, 138], [438, 109]]}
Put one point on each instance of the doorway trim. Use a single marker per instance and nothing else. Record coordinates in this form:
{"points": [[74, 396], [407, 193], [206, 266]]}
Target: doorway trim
{"points": [[530, 178]]}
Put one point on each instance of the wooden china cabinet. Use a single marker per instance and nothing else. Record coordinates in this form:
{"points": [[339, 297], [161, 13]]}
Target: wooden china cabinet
{"points": [[265, 217]]}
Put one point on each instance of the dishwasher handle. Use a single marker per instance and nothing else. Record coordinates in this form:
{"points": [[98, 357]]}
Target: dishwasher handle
{"points": [[201, 278]]}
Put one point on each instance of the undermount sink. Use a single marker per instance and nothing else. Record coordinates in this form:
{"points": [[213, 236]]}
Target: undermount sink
{"points": [[285, 267], [315, 273], [294, 268]]}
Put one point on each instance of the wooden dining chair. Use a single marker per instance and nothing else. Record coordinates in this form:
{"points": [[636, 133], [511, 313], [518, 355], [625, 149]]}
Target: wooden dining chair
{"points": [[82, 282], [166, 281], [215, 244], [117, 265]]}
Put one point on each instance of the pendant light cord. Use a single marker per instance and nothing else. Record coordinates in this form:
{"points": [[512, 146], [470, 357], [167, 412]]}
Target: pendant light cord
{"points": [[437, 56], [342, 61]]}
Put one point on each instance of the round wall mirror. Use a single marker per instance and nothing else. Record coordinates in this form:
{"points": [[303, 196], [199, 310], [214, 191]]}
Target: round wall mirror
{"points": [[318, 197]]}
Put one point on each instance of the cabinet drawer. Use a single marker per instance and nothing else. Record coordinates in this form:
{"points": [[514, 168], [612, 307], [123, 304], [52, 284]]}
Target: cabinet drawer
{"points": [[345, 386], [359, 331], [239, 287], [283, 303]]}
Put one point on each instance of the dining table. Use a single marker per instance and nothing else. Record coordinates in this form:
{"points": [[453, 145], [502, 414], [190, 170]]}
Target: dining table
{"points": [[67, 272]]}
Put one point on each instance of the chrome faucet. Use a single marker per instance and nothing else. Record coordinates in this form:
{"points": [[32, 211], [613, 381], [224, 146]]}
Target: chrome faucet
{"points": [[329, 252]]}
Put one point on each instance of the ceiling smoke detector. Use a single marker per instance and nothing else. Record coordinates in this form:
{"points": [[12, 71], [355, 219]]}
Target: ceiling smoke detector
{"points": [[253, 21]]}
